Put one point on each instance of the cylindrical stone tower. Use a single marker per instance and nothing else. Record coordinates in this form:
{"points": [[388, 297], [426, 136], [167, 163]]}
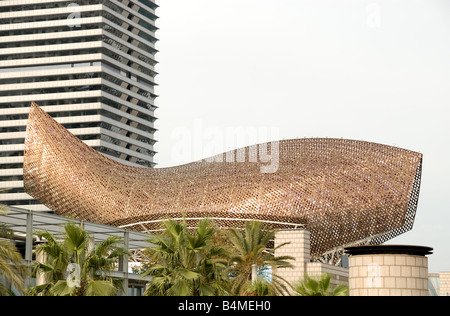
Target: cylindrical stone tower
{"points": [[388, 270]]}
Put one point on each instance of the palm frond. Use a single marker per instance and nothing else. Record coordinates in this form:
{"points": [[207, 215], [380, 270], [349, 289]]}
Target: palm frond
{"points": [[100, 288], [319, 286], [62, 288], [76, 248], [12, 266], [76, 238]]}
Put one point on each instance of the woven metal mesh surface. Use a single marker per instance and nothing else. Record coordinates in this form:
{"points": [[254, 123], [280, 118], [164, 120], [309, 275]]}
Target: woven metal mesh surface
{"points": [[345, 192]]}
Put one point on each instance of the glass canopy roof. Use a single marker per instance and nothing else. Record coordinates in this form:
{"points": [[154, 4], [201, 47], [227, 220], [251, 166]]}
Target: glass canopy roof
{"points": [[19, 221]]}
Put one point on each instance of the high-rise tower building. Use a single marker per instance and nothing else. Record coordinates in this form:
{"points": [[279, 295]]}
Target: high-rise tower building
{"points": [[88, 63]]}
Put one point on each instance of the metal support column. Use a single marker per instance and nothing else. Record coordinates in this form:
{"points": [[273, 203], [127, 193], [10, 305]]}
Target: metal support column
{"points": [[29, 246], [123, 264]]}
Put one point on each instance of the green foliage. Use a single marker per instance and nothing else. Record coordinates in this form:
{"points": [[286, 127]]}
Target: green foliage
{"points": [[187, 263], [210, 262], [75, 266], [182, 262], [12, 267], [260, 287], [5, 232], [320, 287], [251, 247]]}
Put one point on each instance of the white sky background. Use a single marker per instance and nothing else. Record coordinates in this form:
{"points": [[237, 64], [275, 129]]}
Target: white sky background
{"points": [[375, 70]]}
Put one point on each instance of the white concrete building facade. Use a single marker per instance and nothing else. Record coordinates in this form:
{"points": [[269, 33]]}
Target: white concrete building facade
{"points": [[88, 63]]}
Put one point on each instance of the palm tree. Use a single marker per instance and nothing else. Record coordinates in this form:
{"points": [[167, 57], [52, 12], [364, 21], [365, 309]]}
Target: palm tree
{"points": [[12, 267], [251, 248], [260, 287], [187, 263], [320, 287], [74, 266]]}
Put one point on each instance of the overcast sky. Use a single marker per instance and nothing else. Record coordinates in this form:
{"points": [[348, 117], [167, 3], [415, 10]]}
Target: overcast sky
{"points": [[376, 70]]}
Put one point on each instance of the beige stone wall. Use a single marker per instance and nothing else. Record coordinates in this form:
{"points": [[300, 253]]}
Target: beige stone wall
{"points": [[299, 248], [388, 275], [444, 281]]}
